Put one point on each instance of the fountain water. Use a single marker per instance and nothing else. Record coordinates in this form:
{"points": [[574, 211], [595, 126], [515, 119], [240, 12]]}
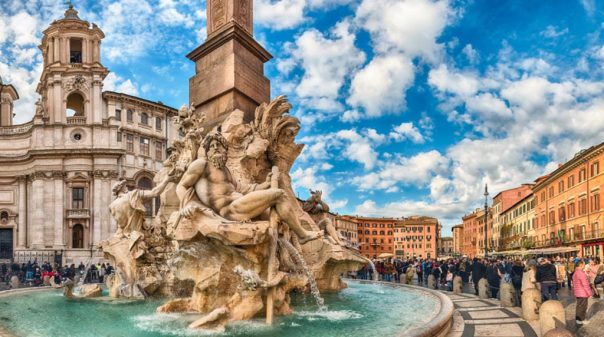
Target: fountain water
{"points": [[375, 274], [314, 289]]}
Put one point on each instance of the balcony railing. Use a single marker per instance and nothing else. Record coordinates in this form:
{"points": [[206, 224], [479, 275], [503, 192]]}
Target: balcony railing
{"points": [[16, 129], [80, 213], [76, 120]]}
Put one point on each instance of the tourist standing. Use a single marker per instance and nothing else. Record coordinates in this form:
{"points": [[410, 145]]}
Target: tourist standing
{"points": [[449, 279], [582, 291], [517, 275], [419, 271], [494, 278], [547, 278], [478, 272], [570, 269]]}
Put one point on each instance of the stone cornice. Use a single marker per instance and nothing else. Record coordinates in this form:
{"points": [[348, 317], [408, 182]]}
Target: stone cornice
{"points": [[579, 159], [33, 154], [137, 101], [231, 31]]}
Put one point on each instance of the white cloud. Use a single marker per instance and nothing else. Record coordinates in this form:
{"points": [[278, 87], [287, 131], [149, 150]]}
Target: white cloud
{"points": [[408, 26], [459, 83], [407, 131], [380, 86], [589, 6], [326, 62], [24, 27], [417, 170], [279, 14], [113, 82], [471, 54], [304, 179], [553, 32]]}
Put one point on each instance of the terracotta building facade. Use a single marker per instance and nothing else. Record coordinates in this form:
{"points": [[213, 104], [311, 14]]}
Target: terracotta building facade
{"points": [[416, 236], [58, 169], [568, 209], [375, 235]]}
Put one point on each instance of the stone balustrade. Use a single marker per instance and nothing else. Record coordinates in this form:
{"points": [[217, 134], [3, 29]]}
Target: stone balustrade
{"points": [[16, 129], [76, 120], [80, 213]]}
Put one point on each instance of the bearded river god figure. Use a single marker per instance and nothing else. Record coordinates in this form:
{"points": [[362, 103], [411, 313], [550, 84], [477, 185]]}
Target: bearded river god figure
{"points": [[230, 240]]}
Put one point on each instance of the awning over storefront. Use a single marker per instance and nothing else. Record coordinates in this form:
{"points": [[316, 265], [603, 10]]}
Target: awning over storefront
{"points": [[538, 251]]}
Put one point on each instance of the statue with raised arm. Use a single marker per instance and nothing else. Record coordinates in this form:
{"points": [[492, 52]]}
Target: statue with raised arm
{"points": [[128, 207], [318, 209], [208, 185]]}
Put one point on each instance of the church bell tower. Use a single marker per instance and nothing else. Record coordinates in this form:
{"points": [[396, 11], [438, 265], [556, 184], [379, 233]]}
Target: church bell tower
{"points": [[229, 65], [71, 83]]}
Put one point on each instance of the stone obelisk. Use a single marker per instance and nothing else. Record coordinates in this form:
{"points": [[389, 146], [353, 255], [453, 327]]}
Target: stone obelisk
{"points": [[229, 65]]}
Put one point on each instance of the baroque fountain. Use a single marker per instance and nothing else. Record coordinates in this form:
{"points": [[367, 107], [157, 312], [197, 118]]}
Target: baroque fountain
{"points": [[232, 251]]}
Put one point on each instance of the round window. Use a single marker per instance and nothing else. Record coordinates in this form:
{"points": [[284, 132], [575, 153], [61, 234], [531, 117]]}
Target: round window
{"points": [[77, 136]]}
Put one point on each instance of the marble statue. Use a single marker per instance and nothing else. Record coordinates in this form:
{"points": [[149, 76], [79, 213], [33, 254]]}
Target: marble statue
{"points": [[208, 185], [318, 209], [230, 240]]}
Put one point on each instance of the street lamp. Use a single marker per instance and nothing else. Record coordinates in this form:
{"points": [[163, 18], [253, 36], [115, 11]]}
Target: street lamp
{"points": [[486, 194]]}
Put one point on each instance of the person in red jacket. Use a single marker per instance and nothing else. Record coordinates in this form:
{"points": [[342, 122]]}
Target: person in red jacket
{"points": [[582, 291]]}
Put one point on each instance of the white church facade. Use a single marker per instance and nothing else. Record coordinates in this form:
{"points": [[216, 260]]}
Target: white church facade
{"points": [[58, 169]]}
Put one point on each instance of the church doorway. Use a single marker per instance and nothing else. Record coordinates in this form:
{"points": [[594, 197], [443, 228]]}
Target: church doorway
{"points": [[6, 243]]}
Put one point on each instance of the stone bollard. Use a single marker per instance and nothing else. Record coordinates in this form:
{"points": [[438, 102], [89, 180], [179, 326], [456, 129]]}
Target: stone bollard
{"points": [[46, 280], [410, 274], [507, 294], [431, 282], [558, 332], [596, 307], [14, 282], [403, 279], [551, 316], [457, 285], [531, 301], [483, 288]]}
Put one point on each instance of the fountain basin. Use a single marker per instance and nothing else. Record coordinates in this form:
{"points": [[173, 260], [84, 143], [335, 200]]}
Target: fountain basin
{"points": [[363, 309]]}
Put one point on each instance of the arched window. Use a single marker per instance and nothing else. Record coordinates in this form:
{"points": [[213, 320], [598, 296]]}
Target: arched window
{"points": [[381, 232], [4, 217], [75, 105], [144, 118], [145, 183], [77, 236], [367, 232], [374, 232]]}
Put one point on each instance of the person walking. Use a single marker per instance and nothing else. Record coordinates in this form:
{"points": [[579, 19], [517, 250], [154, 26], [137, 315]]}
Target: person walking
{"points": [[494, 278], [517, 274], [570, 269], [581, 291], [546, 276], [478, 272]]}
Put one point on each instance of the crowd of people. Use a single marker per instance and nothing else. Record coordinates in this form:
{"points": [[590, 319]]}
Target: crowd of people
{"points": [[32, 273], [547, 274]]}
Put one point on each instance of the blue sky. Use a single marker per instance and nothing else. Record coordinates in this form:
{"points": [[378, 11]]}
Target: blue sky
{"points": [[407, 106]]}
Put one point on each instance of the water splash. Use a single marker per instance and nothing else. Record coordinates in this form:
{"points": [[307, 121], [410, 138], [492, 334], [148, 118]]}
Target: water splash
{"points": [[314, 289], [374, 274]]}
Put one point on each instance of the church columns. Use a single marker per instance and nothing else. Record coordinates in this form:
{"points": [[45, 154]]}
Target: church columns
{"points": [[98, 209], [22, 225], [59, 113], [37, 201], [59, 203], [57, 49], [51, 51]]}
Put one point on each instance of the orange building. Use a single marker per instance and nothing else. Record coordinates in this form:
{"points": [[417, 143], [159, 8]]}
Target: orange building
{"points": [[457, 239], [374, 235], [567, 204], [347, 228], [416, 236], [470, 233], [501, 203]]}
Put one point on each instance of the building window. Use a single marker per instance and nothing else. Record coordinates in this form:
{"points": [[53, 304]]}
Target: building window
{"points": [[118, 114], [543, 196], [119, 136], [561, 214], [551, 191], [130, 116], [561, 186], [595, 202], [374, 232], [571, 180], [144, 118], [75, 50], [552, 217], [381, 232], [75, 105], [595, 169], [130, 143], [144, 146], [583, 206], [77, 198], [571, 210], [159, 151], [4, 217], [582, 175], [77, 236], [158, 123]]}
